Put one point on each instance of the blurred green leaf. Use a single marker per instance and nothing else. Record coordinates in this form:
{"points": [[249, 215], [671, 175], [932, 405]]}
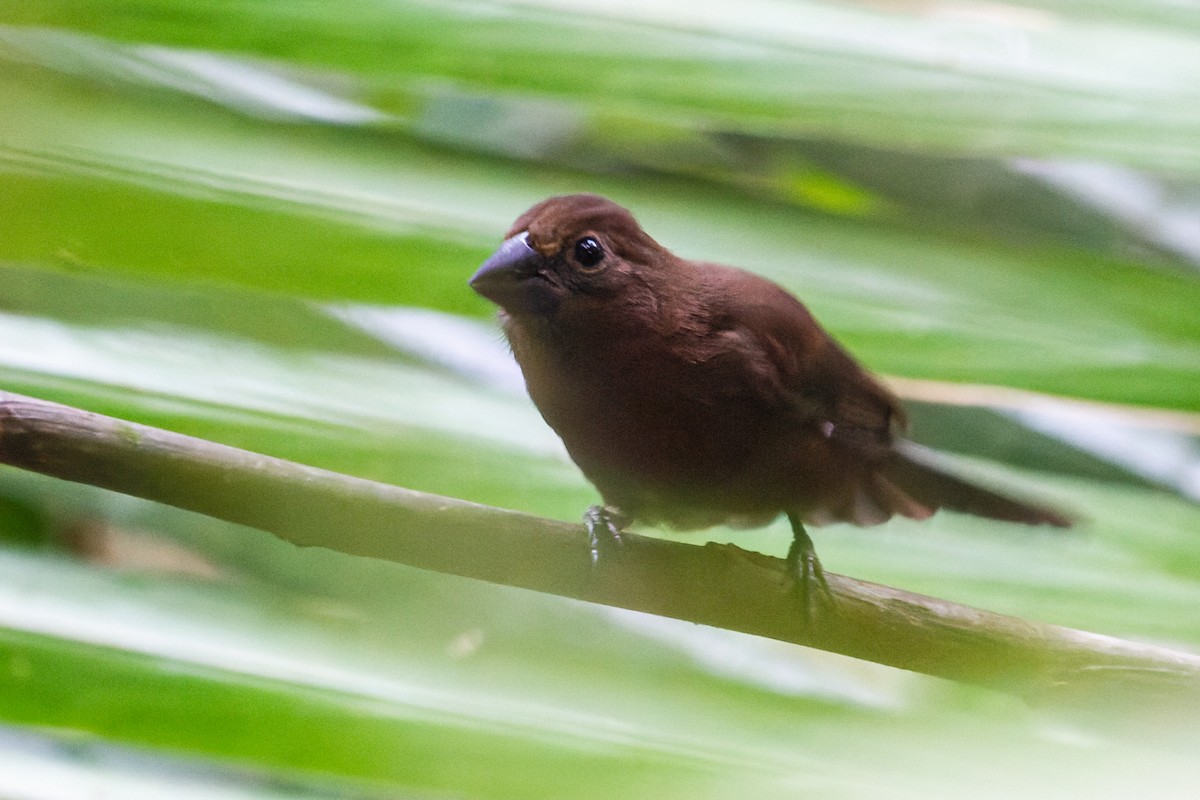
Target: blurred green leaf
{"points": [[386, 222], [253, 222], [1001, 77]]}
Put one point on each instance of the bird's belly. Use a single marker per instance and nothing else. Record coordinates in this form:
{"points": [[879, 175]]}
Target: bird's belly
{"points": [[653, 449]]}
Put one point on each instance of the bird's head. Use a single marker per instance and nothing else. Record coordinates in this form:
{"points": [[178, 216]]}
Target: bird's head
{"points": [[567, 250]]}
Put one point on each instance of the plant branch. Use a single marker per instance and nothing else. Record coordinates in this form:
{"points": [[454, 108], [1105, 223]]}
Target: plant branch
{"points": [[717, 585]]}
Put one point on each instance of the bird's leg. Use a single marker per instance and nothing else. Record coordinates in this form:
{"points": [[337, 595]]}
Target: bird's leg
{"points": [[805, 575], [604, 526]]}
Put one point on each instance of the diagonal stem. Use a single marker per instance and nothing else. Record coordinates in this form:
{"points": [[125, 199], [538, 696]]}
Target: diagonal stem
{"points": [[717, 585]]}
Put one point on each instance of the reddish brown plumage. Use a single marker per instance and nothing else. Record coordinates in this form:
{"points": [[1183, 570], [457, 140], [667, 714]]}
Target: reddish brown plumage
{"points": [[694, 394]]}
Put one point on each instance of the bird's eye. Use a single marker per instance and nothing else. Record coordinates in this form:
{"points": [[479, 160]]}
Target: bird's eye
{"points": [[588, 252]]}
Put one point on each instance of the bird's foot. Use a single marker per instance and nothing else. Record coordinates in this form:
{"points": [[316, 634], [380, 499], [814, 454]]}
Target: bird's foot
{"points": [[604, 526], [804, 574]]}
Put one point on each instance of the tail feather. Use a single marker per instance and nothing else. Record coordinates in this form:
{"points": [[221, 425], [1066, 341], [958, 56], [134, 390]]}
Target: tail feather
{"points": [[911, 469]]}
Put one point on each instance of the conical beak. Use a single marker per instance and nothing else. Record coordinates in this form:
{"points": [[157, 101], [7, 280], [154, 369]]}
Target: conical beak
{"points": [[515, 278]]}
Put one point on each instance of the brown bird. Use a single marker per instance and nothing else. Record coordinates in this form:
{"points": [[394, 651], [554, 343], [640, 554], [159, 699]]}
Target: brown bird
{"points": [[694, 394]]}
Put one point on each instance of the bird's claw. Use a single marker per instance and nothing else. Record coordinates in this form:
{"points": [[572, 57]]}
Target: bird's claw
{"points": [[604, 526], [805, 577]]}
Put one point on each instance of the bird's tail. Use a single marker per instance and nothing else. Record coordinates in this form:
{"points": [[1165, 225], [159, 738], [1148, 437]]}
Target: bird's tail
{"points": [[910, 483], [912, 470]]}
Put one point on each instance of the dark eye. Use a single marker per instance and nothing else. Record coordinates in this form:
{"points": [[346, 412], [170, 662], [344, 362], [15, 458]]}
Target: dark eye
{"points": [[588, 252]]}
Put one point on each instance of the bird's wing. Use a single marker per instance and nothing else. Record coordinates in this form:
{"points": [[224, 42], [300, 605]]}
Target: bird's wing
{"points": [[795, 362]]}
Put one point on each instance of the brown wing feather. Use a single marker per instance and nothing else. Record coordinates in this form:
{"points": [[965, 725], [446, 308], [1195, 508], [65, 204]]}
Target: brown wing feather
{"points": [[817, 378], [826, 387]]}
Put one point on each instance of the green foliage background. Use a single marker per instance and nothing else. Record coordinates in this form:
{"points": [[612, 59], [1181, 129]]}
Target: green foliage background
{"points": [[253, 222]]}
